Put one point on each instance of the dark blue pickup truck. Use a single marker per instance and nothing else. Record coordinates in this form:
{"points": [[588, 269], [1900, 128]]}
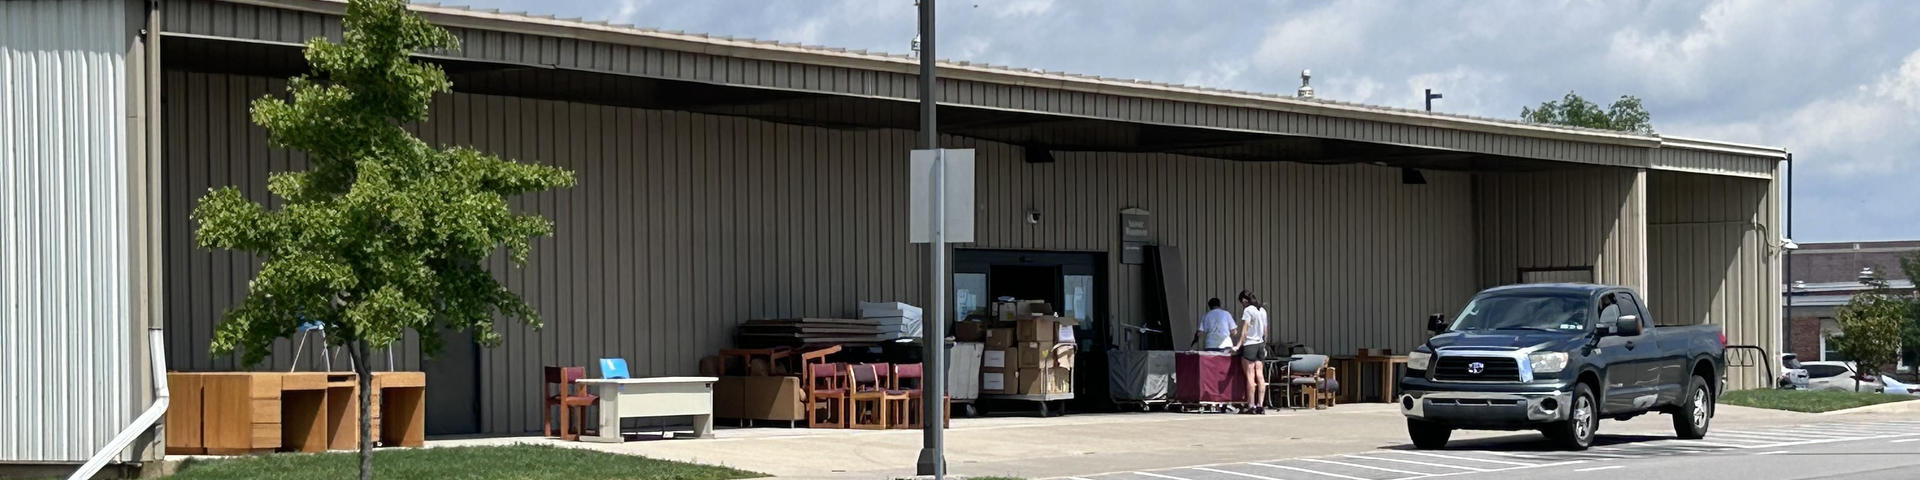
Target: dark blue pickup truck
{"points": [[1558, 358]]}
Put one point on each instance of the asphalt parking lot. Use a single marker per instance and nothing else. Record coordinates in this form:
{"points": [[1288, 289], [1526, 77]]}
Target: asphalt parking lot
{"points": [[1881, 449]]}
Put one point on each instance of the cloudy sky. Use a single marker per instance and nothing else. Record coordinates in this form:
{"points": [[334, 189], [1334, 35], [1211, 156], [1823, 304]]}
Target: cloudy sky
{"points": [[1837, 83]]}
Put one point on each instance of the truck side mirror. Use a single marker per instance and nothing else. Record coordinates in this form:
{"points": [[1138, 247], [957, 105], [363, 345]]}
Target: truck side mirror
{"points": [[1436, 323], [1629, 325]]}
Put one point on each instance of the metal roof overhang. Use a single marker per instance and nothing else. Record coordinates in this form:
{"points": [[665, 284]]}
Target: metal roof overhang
{"points": [[537, 57]]}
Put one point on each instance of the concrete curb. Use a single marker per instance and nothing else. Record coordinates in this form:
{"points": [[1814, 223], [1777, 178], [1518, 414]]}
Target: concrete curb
{"points": [[1901, 407]]}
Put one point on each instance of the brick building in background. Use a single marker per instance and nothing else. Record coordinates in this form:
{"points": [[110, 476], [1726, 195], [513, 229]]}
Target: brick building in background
{"points": [[1825, 275]]}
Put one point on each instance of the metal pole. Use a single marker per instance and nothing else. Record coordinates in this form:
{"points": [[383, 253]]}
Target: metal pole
{"points": [[1786, 265], [1429, 99], [933, 449]]}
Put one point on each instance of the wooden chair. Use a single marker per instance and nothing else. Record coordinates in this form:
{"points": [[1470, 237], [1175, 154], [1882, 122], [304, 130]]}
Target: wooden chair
{"points": [[568, 401], [908, 378], [1309, 377], [872, 392], [826, 396]]}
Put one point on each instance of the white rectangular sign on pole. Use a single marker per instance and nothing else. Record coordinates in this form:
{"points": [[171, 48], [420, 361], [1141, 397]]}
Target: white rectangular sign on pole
{"points": [[958, 176]]}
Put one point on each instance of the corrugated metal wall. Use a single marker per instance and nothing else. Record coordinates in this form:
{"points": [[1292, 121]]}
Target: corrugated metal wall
{"points": [[684, 225], [1587, 217], [64, 345], [1711, 258]]}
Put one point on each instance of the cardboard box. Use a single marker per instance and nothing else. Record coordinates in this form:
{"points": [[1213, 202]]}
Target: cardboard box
{"points": [[774, 398], [996, 382], [993, 359], [1046, 355], [1035, 307], [1000, 338], [1005, 311], [969, 331], [1036, 329], [1035, 381]]}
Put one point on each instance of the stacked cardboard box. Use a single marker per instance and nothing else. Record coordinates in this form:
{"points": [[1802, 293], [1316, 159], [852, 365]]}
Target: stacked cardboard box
{"points": [[1045, 358]]}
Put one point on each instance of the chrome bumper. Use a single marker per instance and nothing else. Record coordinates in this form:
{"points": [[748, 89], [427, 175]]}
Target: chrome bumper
{"points": [[1486, 407]]}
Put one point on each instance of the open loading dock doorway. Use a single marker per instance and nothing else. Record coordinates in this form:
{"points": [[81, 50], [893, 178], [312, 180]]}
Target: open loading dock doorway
{"points": [[1073, 282]]}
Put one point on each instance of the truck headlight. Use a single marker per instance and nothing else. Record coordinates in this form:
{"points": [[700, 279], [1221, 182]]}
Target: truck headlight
{"points": [[1547, 362], [1418, 360]]}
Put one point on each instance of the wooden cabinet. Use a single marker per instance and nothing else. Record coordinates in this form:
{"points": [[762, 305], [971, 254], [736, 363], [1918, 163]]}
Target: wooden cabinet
{"points": [[230, 413]]}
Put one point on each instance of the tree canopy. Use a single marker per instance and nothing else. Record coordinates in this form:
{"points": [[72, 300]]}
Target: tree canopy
{"points": [[1870, 328], [381, 233], [1625, 114]]}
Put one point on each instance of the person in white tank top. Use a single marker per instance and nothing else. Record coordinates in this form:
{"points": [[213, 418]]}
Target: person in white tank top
{"points": [[1252, 348]]}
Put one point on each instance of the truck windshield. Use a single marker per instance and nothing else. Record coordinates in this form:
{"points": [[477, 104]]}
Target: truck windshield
{"points": [[1524, 312]]}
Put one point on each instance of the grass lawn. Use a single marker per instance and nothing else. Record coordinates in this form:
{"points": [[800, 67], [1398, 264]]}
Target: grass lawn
{"points": [[1807, 401], [527, 462]]}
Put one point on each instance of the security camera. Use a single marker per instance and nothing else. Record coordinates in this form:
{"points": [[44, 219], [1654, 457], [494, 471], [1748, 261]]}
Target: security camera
{"points": [[1033, 216]]}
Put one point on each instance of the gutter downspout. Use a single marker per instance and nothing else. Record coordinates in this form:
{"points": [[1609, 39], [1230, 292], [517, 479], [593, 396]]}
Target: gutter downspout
{"points": [[146, 420]]}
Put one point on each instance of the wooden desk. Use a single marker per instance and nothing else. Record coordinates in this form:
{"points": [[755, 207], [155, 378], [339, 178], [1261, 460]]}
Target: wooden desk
{"points": [[652, 397], [229, 413], [1354, 370]]}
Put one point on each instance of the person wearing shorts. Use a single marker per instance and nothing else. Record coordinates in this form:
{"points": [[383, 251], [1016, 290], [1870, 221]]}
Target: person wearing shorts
{"points": [[1252, 346]]}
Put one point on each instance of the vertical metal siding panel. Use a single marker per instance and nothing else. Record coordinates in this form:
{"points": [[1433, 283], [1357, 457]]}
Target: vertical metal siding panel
{"points": [[62, 157]]}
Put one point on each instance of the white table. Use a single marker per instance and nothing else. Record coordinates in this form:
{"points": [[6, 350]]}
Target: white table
{"points": [[652, 397]]}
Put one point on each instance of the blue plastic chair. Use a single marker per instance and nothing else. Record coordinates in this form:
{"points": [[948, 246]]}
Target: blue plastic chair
{"points": [[613, 368]]}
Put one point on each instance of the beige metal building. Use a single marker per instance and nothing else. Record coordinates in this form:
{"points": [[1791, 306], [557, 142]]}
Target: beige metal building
{"points": [[729, 179]]}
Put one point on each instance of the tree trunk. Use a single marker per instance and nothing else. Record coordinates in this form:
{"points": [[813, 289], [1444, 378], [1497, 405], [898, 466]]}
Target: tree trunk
{"points": [[363, 368]]}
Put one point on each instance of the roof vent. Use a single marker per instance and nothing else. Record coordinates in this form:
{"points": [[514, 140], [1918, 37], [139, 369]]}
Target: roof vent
{"points": [[1866, 274], [1306, 91]]}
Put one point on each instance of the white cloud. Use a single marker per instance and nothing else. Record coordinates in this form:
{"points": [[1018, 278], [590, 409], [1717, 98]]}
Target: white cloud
{"points": [[625, 11], [1322, 35], [1021, 8]]}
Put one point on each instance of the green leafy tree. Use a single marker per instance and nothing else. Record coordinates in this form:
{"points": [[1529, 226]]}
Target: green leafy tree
{"points": [[1870, 328], [1625, 114], [382, 233]]}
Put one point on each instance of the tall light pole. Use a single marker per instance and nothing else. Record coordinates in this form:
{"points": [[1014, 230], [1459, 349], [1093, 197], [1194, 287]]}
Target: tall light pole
{"points": [[1430, 98], [932, 446]]}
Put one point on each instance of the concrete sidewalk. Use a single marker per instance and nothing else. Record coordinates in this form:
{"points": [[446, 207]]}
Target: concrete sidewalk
{"points": [[1082, 444]]}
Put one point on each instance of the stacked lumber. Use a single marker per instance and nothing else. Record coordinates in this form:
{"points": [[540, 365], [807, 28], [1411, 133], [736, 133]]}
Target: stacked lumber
{"points": [[803, 331]]}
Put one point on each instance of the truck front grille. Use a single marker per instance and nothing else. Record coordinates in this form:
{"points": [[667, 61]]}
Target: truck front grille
{"points": [[1492, 369]]}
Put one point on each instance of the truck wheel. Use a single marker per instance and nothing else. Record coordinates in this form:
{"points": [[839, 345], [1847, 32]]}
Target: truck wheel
{"points": [[1428, 435], [1691, 420], [1583, 420]]}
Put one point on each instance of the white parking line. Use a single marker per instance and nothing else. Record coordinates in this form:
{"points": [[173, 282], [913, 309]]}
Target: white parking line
{"points": [[1835, 440], [1302, 470], [1356, 465], [1820, 432], [1230, 472], [1595, 469], [1526, 456], [1449, 457], [1156, 475], [1747, 435], [1411, 462]]}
